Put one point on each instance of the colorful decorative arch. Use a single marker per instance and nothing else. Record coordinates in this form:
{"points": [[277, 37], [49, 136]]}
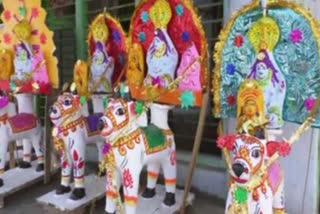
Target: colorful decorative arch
{"points": [[296, 51], [41, 37], [180, 20], [115, 44]]}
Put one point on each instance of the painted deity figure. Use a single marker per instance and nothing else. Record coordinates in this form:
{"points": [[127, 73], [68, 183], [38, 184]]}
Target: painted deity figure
{"points": [[102, 68], [190, 69], [22, 62], [265, 72], [162, 56], [250, 112], [264, 36]]}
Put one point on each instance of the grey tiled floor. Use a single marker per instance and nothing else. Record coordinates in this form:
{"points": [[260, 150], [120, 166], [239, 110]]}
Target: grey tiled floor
{"points": [[24, 201]]}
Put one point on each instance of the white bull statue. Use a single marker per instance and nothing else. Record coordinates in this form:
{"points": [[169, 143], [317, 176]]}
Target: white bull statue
{"points": [[133, 147], [17, 127], [73, 131]]}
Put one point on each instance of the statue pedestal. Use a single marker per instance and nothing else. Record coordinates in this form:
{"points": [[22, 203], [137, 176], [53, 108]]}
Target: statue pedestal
{"points": [[17, 179], [95, 189], [155, 205]]}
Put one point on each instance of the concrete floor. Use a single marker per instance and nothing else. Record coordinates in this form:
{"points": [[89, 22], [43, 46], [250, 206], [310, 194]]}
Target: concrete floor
{"points": [[24, 201]]}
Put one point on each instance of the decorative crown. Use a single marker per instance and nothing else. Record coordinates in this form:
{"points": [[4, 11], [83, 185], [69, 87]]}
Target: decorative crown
{"points": [[264, 34], [23, 30], [250, 91], [160, 14], [99, 29]]}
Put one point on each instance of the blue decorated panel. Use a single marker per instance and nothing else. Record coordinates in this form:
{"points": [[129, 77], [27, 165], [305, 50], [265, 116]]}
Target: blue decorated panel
{"points": [[296, 55]]}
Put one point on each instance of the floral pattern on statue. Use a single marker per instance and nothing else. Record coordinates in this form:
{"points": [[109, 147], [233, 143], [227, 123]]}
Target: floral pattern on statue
{"points": [[167, 30], [129, 147], [280, 50]]}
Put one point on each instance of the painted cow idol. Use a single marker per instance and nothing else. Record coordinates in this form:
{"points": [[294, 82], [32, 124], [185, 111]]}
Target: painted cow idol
{"points": [[71, 133], [17, 127], [133, 147], [249, 154]]}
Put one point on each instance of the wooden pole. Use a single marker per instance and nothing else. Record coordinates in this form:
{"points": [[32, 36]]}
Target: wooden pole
{"points": [[81, 20], [47, 142], [196, 147]]}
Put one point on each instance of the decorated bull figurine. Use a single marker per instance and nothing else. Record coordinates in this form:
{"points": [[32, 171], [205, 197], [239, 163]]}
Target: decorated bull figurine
{"points": [[249, 154], [17, 127], [129, 147], [72, 131]]}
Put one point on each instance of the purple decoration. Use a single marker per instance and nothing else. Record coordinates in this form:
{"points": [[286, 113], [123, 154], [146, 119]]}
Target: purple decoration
{"points": [[22, 121], [296, 36], [231, 69], [156, 81], [116, 36], [92, 122], [4, 101], [100, 47], [309, 103], [160, 36], [24, 47], [266, 60], [106, 148], [185, 36]]}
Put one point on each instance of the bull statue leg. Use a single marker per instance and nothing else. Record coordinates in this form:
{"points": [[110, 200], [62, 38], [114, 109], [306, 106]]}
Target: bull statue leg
{"points": [[77, 150], [66, 167], [169, 170], [153, 174], [3, 153], [36, 143], [112, 191]]}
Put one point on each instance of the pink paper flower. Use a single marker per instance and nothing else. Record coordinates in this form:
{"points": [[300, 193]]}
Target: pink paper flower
{"points": [[296, 36], [106, 148], [7, 38], [7, 15], [284, 148], [4, 101], [43, 38], [238, 41], [231, 100], [226, 141], [34, 12], [309, 103]]}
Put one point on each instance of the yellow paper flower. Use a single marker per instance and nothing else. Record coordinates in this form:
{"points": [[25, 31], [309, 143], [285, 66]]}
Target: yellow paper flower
{"points": [[160, 14], [23, 30], [100, 31]]}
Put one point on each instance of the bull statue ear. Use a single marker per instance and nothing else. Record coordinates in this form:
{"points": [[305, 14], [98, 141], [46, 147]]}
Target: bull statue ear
{"points": [[64, 87], [126, 93], [116, 93], [73, 88]]}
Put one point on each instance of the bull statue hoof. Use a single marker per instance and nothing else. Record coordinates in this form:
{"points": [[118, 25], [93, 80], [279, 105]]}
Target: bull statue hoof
{"points": [[1, 182], [170, 199], [149, 193], [77, 194], [62, 190], [24, 165], [40, 167], [109, 213]]}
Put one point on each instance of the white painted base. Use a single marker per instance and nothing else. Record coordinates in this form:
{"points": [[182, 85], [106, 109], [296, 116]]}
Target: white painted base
{"points": [[17, 179], [95, 189], [155, 205]]}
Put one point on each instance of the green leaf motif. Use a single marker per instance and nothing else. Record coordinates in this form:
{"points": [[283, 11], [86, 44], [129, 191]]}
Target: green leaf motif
{"points": [[139, 107], [83, 99], [22, 10], [105, 102], [241, 195], [187, 99]]}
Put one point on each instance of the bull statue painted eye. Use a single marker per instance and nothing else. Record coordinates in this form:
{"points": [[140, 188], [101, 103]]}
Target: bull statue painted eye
{"points": [[67, 102], [255, 153], [120, 111]]}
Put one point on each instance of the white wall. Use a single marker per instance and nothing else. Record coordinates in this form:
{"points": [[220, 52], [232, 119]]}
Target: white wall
{"points": [[301, 167]]}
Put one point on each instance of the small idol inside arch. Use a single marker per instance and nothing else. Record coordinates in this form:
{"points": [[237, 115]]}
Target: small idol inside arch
{"points": [[162, 56], [266, 71]]}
